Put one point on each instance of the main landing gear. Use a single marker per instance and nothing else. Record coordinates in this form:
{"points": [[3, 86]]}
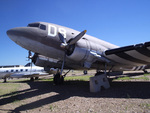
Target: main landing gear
{"points": [[5, 80], [59, 78], [145, 71], [32, 78]]}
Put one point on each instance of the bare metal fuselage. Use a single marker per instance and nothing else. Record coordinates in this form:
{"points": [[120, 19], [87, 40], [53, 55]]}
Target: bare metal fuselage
{"points": [[87, 53]]}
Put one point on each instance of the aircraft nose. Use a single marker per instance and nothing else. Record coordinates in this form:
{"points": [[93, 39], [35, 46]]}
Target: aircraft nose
{"points": [[14, 33], [10, 32], [17, 33]]}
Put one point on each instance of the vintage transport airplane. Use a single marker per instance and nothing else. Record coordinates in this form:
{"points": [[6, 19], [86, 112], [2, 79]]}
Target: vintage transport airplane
{"points": [[61, 47]]}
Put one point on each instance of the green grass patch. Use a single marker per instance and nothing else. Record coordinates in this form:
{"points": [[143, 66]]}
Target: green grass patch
{"points": [[8, 88], [79, 78], [132, 78], [124, 78], [147, 74], [49, 79], [72, 78], [142, 78]]}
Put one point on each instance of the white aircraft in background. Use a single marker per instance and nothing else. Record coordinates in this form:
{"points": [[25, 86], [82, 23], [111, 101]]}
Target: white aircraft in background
{"points": [[17, 71]]}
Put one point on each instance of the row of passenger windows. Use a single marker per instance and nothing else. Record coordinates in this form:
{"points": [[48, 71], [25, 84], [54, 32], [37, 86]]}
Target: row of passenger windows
{"points": [[21, 70], [41, 26]]}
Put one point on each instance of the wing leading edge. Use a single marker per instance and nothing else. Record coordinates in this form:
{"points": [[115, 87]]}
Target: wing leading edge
{"points": [[138, 54], [28, 74]]}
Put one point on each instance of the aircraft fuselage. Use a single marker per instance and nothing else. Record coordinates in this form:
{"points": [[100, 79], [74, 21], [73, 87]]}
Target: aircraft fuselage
{"points": [[42, 38]]}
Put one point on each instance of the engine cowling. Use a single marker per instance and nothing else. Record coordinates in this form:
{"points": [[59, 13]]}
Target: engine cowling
{"points": [[86, 53], [43, 61], [78, 52]]}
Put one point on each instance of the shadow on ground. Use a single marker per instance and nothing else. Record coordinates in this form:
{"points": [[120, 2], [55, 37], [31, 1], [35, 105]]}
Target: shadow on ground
{"points": [[135, 89]]}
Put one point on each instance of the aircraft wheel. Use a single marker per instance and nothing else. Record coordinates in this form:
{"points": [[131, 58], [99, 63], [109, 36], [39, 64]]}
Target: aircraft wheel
{"points": [[36, 78], [85, 72], [31, 79], [58, 79], [145, 71], [4, 80]]}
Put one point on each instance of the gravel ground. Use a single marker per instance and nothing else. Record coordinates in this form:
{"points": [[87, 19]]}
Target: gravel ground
{"points": [[74, 97]]}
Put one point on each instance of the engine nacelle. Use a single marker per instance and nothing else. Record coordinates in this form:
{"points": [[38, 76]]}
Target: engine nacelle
{"points": [[43, 61], [87, 53], [78, 54]]}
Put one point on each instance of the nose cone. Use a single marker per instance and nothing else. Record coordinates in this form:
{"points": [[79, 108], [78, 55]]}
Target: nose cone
{"points": [[13, 34], [9, 32]]}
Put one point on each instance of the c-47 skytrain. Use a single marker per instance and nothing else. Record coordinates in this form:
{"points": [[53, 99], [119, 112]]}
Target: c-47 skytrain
{"points": [[60, 47]]}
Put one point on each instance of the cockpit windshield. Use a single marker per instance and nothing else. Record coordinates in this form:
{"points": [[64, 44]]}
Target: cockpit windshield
{"points": [[33, 25], [41, 26]]}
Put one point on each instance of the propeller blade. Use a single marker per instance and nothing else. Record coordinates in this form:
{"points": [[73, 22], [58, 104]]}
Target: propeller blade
{"points": [[29, 54], [78, 37], [63, 40]]}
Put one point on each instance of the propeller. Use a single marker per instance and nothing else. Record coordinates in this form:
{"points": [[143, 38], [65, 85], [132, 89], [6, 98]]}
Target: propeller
{"points": [[68, 46]]}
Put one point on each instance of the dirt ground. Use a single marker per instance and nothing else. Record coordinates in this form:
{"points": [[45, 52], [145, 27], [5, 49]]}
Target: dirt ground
{"points": [[129, 96]]}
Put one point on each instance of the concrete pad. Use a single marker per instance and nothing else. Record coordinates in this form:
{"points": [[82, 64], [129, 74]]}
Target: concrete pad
{"points": [[99, 82]]}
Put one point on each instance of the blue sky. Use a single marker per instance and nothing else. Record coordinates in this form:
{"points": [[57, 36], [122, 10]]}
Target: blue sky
{"points": [[121, 22]]}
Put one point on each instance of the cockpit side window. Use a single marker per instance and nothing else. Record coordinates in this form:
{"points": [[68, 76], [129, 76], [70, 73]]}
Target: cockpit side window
{"points": [[43, 27], [33, 25]]}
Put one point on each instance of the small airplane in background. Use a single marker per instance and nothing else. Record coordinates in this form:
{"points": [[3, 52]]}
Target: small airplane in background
{"points": [[60, 47], [17, 71]]}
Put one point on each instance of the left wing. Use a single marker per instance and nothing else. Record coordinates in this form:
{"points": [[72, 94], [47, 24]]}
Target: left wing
{"points": [[138, 54], [28, 74]]}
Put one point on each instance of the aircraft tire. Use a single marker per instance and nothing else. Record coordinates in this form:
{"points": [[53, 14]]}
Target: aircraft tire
{"points": [[36, 78], [5, 80], [31, 79], [85, 72], [145, 71], [58, 79]]}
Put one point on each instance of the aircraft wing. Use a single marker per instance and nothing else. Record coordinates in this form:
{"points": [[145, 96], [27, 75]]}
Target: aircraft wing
{"points": [[4, 75], [29, 74], [138, 54]]}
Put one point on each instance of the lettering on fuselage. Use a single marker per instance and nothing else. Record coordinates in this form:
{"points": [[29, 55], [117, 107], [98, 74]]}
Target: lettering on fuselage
{"points": [[53, 31]]}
